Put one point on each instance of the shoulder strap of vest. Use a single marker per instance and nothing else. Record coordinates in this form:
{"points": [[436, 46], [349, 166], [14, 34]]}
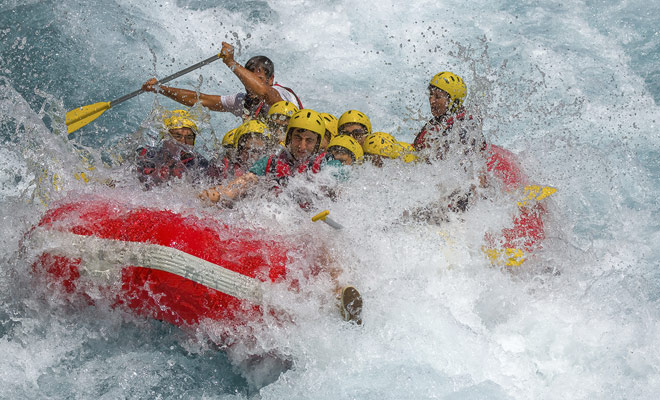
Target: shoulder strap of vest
{"points": [[293, 93], [316, 165], [269, 163], [258, 110], [460, 117], [420, 140]]}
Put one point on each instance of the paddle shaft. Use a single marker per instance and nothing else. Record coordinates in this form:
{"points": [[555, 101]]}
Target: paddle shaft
{"points": [[167, 79], [323, 216]]}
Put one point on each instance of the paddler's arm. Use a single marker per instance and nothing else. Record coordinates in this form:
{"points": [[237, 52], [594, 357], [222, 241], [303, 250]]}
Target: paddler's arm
{"points": [[232, 190], [248, 78], [184, 96]]}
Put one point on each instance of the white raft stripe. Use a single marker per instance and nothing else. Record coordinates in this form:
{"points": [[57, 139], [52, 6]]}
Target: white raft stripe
{"points": [[98, 253]]}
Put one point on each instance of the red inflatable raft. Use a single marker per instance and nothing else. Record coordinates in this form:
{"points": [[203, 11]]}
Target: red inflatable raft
{"points": [[175, 268], [526, 233]]}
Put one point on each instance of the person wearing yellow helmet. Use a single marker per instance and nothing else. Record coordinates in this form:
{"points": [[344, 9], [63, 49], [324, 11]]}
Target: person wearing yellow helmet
{"points": [[346, 150], [175, 156], [257, 76], [355, 124], [301, 155], [228, 139], [228, 146], [447, 93], [381, 145], [252, 142], [278, 119], [330, 129], [181, 126]]}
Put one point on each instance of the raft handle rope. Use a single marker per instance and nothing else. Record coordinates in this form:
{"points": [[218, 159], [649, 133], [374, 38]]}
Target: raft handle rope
{"points": [[100, 256]]}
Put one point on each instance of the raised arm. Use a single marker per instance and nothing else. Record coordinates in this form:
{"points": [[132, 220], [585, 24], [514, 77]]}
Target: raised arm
{"points": [[184, 96], [258, 86]]}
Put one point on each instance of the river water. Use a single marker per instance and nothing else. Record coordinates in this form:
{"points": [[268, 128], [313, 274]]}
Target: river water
{"points": [[570, 87]]}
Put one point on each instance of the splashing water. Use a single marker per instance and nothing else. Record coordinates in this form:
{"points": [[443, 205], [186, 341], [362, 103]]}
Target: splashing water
{"points": [[570, 87]]}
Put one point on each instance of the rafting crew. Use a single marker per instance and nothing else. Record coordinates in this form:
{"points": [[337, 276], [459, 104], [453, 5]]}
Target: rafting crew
{"points": [[301, 155], [310, 141], [257, 76]]}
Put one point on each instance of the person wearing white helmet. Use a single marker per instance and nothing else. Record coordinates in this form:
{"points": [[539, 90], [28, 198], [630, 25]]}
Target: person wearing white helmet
{"points": [[257, 76]]}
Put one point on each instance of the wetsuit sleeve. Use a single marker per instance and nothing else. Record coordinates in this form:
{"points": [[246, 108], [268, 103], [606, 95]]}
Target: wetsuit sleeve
{"points": [[234, 104], [259, 167]]}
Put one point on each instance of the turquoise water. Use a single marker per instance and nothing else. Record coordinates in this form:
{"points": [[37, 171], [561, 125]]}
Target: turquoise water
{"points": [[571, 87]]}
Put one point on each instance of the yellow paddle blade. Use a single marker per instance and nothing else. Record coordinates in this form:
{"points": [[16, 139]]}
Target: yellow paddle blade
{"points": [[81, 116]]}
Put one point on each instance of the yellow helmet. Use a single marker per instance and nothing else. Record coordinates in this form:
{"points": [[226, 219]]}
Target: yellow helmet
{"points": [[354, 117], [228, 139], [453, 85], [283, 107], [309, 120], [406, 146], [251, 126], [330, 124], [381, 144], [349, 144], [407, 151], [179, 119]]}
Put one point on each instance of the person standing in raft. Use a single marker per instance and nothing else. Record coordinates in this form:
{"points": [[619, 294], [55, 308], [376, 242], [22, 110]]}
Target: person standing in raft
{"points": [[175, 156], [260, 90]]}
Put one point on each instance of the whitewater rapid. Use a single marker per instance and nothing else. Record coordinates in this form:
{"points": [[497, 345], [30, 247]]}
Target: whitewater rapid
{"points": [[571, 88]]}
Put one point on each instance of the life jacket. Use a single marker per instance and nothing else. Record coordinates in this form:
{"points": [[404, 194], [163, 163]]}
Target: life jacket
{"points": [[158, 166], [527, 230], [281, 168], [434, 127]]}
